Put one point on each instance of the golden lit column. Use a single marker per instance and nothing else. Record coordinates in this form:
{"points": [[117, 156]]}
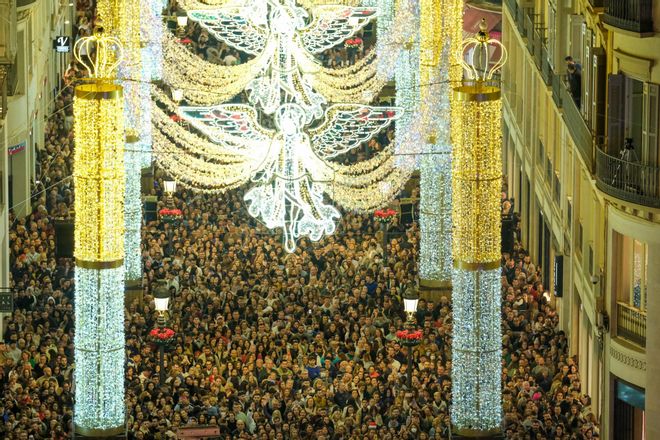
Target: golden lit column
{"points": [[440, 35], [476, 297], [99, 243]]}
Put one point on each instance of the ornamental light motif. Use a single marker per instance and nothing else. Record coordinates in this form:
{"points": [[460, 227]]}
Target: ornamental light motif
{"points": [[98, 176], [476, 179], [294, 172]]}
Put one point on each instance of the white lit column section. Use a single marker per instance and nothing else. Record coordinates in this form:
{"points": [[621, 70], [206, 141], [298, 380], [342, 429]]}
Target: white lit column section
{"points": [[440, 31], [134, 107]]}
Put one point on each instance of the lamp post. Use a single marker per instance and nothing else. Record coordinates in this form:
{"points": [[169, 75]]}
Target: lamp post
{"points": [[177, 95], [169, 187], [410, 300], [181, 22], [161, 300]]}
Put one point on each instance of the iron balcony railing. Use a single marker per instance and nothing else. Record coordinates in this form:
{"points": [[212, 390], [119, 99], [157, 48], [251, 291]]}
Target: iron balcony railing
{"points": [[630, 181], [631, 323], [631, 15], [580, 133]]}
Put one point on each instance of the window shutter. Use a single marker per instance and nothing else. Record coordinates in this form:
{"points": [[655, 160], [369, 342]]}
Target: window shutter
{"points": [[575, 40], [650, 125], [598, 81], [587, 41], [615, 113]]}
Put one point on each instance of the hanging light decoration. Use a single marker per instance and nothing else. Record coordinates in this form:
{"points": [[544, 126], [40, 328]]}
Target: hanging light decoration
{"points": [[99, 241], [440, 35], [477, 179], [137, 125], [291, 166]]}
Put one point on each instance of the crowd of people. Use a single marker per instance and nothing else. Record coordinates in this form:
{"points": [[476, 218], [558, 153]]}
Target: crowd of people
{"points": [[269, 345]]}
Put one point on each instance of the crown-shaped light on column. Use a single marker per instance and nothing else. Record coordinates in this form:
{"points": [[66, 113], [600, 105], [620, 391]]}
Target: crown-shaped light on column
{"points": [[109, 52], [475, 55]]}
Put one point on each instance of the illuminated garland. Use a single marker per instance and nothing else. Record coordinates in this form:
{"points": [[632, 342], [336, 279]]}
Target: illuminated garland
{"points": [[356, 83], [203, 82]]}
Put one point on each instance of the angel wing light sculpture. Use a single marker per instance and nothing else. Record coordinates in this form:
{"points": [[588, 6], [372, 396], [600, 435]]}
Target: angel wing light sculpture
{"points": [[290, 165]]}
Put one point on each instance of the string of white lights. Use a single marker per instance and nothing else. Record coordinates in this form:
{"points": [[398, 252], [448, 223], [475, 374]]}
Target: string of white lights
{"points": [[403, 29], [477, 349], [99, 348], [203, 82]]}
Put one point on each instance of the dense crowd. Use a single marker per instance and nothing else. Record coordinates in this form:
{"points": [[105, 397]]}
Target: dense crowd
{"points": [[270, 345]]}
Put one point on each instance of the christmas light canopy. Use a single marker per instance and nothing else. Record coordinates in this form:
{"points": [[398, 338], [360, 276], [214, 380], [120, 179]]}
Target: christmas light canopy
{"points": [[290, 165]]}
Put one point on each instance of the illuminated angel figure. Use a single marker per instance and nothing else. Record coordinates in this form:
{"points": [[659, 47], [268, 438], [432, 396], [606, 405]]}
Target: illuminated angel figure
{"points": [[295, 172], [276, 30]]}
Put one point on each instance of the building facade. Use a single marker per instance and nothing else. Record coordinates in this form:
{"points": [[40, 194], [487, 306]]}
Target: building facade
{"points": [[30, 75], [582, 159]]}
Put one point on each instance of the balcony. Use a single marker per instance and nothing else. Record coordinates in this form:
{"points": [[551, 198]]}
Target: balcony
{"points": [[578, 128], [630, 181], [630, 15], [631, 323]]}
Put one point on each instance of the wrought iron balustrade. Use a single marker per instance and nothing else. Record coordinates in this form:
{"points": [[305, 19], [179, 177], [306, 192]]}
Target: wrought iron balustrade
{"points": [[631, 323], [631, 15], [630, 181]]}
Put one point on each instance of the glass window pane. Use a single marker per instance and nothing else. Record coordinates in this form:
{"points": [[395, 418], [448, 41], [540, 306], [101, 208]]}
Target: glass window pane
{"points": [[639, 261]]}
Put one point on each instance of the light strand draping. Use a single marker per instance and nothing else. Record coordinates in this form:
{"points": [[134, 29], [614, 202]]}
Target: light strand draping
{"points": [[203, 82]]}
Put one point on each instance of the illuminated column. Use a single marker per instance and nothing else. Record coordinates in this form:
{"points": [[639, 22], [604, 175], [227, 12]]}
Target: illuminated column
{"points": [[99, 244], [440, 32], [477, 180], [130, 71]]}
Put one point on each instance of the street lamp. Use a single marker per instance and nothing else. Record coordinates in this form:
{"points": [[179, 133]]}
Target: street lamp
{"points": [[169, 188], [177, 95], [161, 300], [410, 300], [182, 22]]}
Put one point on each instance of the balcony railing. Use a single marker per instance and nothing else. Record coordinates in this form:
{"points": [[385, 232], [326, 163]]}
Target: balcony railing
{"points": [[577, 127], [631, 15], [630, 181], [631, 323]]}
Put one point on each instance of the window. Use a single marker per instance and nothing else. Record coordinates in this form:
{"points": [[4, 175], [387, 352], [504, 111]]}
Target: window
{"points": [[629, 288], [632, 283], [640, 262]]}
